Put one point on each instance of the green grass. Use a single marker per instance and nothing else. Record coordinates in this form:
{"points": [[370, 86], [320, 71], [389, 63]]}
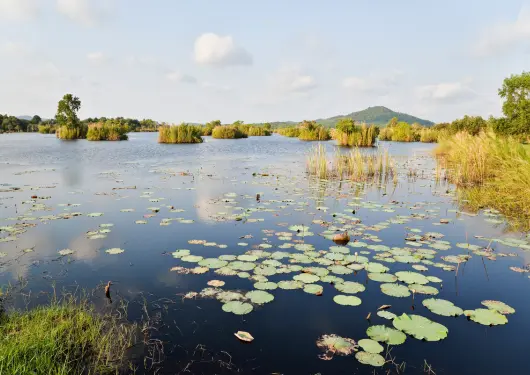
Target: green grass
{"points": [[258, 131], [109, 130], [228, 132], [47, 129], [183, 133], [64, 337], [79, 132], [490, 171]]}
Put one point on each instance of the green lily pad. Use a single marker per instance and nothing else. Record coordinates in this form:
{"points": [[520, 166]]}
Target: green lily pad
{"points": [[370, 346], [347, 300], [385, 334], [420, 327], [267, 285], [442, 307], [423, 289], [372, 359], [284, 284], [410, 277], [213, 263], [307, 278], [180, 253], [375, 268], [191, 258], [350, 287], [498, 306], [259, 297], [313, 289], [237, 307], [386, 314], [382, 277], [395, 290], [486, 317]]}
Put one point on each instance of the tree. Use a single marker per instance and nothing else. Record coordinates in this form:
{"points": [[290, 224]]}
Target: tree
{"points": [[471, 124], [393, 122], [346, 125], [36, 120], [516, 107], [67, 110], [267, 126]]}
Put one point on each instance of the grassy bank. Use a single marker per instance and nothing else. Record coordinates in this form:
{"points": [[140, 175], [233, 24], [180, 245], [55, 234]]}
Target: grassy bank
{"points": [[64, 337], [228, 132], [355, 165], [490, 171], [180, 134], [109, 130], [69, 133]]}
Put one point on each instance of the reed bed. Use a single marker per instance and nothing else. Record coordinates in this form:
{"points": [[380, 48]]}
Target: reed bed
{"points": [[355, 165], [70, 133], [258, 131], [319, 133], [361, 136], [110, 130], [183, 133], [228, 132], [490, 171], [289, 132], [47, 129]]}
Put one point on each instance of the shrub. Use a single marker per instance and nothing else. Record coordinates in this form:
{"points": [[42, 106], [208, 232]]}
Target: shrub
{"points": [[289, 132], [46, 129], [358, 136], [110, 130], [258, 131], [228, 132], [183, 133], [69, 133]]}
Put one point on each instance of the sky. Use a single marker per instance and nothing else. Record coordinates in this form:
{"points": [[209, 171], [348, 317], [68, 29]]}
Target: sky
{"points": [[277, 60]]}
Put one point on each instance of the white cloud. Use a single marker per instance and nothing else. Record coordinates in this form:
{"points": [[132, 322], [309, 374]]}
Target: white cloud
{"points": [[85, 12], [216, 87], [15, 49], [292, 79], [505, 35], [374, 83], [96, 57], [18, 9], [445, 92], [213, 49], [180, 78]]}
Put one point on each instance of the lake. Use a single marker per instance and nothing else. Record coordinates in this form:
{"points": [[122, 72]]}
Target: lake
{"points": [[159, 197]]}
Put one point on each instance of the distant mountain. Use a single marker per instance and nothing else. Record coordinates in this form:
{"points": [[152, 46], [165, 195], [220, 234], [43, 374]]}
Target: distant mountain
{"points": [[376, 115], [25, 117], [372, 115]]}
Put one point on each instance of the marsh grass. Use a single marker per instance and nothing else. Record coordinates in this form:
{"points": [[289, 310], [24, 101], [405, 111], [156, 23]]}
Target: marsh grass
{"points": [[361, 136], [47, 129], [491, 171], [109, 130], [289, 132], [66, 133], [228, 132], [355, 165], [318, 133], [63, 337], [183, 133], [258, 131]]}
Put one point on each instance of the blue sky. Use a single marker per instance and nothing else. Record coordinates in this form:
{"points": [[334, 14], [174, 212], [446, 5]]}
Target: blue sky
{"points": [[178, 60]]}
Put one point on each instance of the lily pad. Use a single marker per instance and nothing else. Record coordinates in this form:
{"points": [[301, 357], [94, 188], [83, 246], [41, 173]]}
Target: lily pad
{"points": [[395, 290], [237, 307], [382, 277], [372, 359], [350, 287], [442, 307], [410, 277], [65, 252], [114, 251], [385, 334], [498, 306], [420, 327], [267, 285], [307, 278], [347, 300], [213, 263], [313, 289], [285, 284], [336, 344], [386, 314], [259, 297], [370, 346], [486, 317]]}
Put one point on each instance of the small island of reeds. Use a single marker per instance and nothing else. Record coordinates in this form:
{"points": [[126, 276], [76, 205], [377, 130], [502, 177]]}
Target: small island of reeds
{"points": [[183, 133], [347, 133], [110, 130], [311, 131], [228, 132]]}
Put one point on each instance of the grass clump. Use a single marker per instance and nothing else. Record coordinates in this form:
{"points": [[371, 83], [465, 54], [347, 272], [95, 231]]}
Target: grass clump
{"points": [[490, 171], [355, 165], [47, 129], [110, 130], [183, 133], [311, 131], [69, 133], [64, 337], [289, 132], [347, 133], [258, 131], [228, 132]]}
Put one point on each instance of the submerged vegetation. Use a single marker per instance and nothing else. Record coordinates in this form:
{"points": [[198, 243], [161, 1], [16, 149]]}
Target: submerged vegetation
{"points": [[183, 133], [63, 337], [491, 170], [348, 133], [110, 130], [355, 165]]}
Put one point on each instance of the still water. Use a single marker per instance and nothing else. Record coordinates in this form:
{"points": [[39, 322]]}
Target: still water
{"points": [[203, 189]]}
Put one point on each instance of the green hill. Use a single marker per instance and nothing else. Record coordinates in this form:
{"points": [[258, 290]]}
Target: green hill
{"points": [[372, 115], [376, 115]]}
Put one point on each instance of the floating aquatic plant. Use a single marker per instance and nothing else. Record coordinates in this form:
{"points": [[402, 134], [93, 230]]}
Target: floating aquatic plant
{"points": [[420, 327]]}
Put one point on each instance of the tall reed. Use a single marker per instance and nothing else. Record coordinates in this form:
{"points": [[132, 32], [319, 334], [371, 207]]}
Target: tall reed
{"points": [[361, 136], [110, 130], [289, 132], [78, 132], [228, 132], [183, 133], [319, 133]]}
